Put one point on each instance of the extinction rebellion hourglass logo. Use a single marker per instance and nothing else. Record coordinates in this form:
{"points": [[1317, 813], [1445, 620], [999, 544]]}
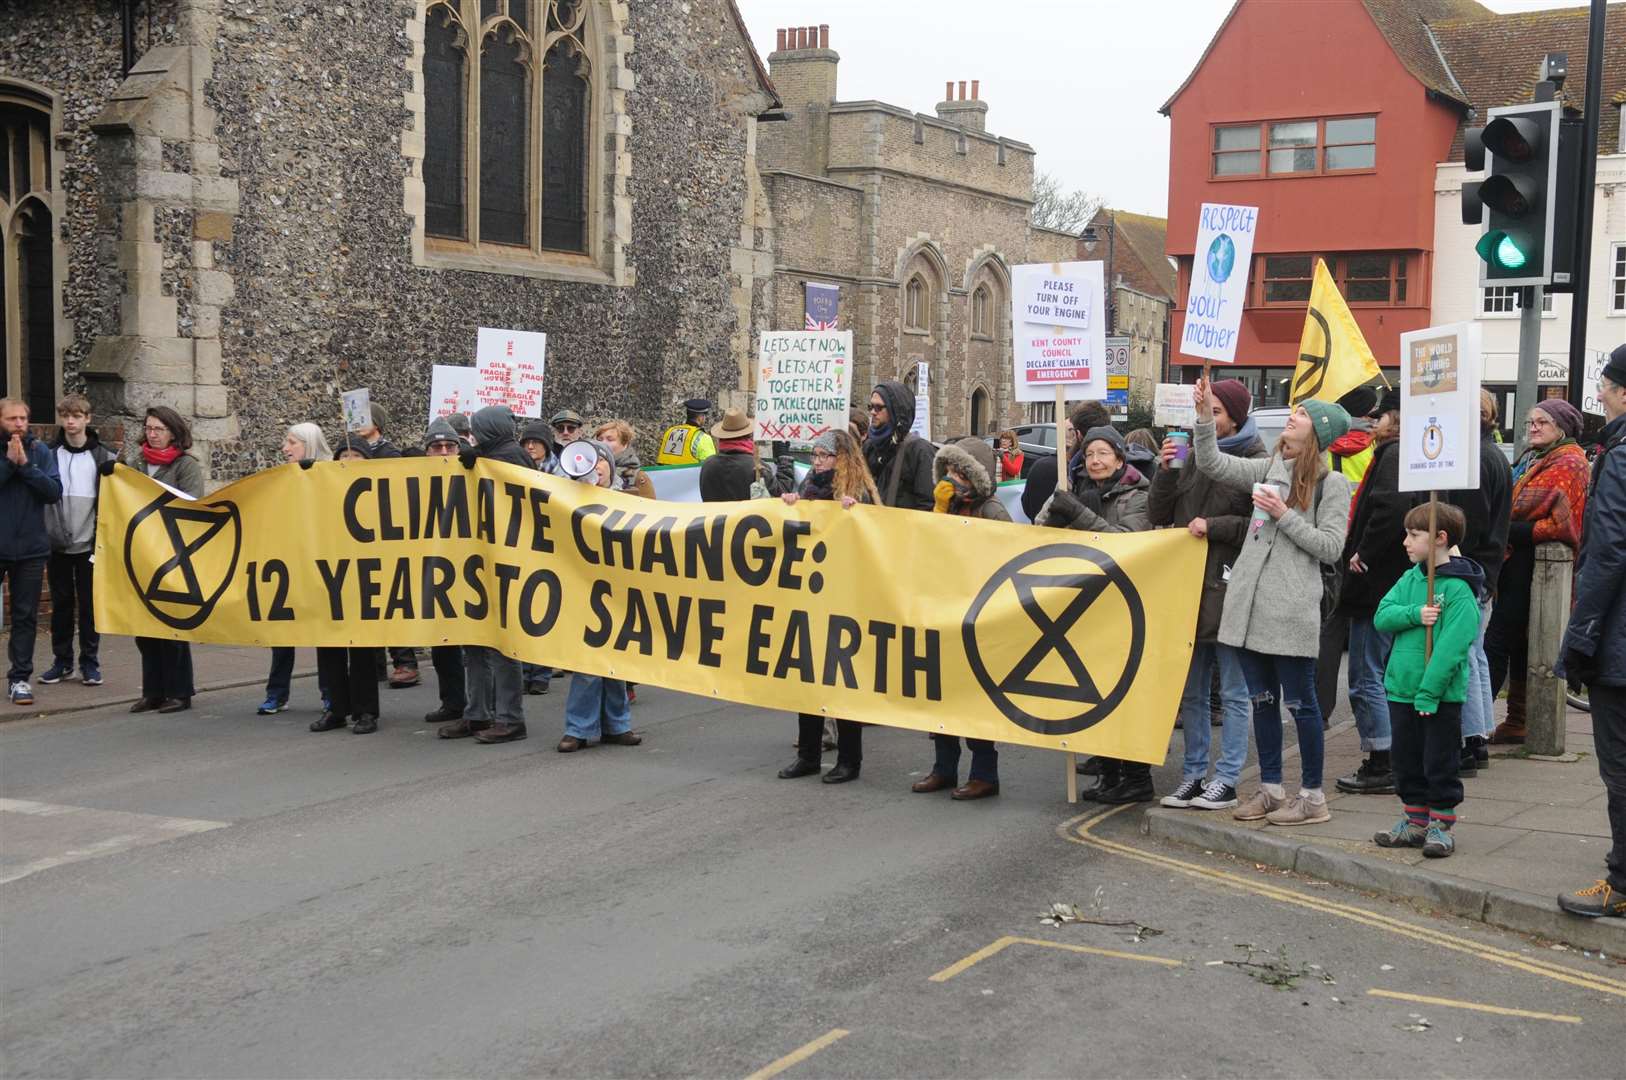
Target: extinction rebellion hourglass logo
{"points": [[181, 556]]}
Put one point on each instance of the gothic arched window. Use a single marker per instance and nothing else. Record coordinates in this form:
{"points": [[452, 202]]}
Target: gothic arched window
{"points": [[27, 256], [914, 304], [982, 312], [508, 123]]}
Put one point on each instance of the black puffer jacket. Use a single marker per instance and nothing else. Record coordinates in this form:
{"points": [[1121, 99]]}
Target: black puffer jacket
{"points": [[1488, 508], [1377, 533], [901, 464], [1178, 495], [493, 430], [1598, 621]]}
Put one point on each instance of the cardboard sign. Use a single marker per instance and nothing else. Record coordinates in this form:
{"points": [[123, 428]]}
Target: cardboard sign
{"points": [[1067, 345], [510, 366], [1590, 401], [358, 409], [452, 389], [1219, 281], [922, 425], [804, 378], [1174, 406], [1439, 408]]}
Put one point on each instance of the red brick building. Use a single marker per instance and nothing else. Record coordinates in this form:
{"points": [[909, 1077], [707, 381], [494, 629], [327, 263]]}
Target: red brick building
{"points": [[1330, 118]]}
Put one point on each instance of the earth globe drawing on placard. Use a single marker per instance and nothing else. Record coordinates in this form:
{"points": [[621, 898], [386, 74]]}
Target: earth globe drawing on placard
{"points": [[1221, 259]]}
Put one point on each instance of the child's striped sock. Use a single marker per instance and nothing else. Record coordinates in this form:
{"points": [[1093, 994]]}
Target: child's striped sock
{"points": [[1440, 819], [1418, 815]]}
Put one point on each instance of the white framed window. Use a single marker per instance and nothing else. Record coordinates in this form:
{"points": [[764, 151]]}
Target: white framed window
{"points": [[1617, 279], [1504, 300]]}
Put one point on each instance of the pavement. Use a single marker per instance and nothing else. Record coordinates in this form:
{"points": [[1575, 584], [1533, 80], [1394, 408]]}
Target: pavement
{"points": [[1526, 830], [212, 893]]}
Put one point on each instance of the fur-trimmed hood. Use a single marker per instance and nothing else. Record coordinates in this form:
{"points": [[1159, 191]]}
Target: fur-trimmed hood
{"points": [[975, 460]]}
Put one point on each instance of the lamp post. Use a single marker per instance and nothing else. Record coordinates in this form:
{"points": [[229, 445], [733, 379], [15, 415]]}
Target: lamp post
{"points": [[1091, 237]]}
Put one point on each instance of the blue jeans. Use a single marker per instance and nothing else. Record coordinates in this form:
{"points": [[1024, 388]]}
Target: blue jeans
{"points": [[1479, 710], [279, 685], [596, 707], [1194, 708], [1295, 676], [984, 758], [1368, 656]]}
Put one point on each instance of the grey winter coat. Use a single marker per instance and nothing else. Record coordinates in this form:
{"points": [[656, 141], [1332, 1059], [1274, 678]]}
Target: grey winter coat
{"points": [[184, 474], [1598, 622], [1177, 496], [1123, 507], [1273, 601]]}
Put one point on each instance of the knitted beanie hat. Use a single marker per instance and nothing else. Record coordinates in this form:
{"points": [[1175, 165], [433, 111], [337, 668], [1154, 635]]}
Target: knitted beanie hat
{"points": [[826, 442], [1108, 435], [1234, 395], [1566, 416], [1327, 420]]}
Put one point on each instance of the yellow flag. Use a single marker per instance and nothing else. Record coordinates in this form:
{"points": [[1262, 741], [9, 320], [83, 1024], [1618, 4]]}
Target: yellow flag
{"points": [[1333, 356]]}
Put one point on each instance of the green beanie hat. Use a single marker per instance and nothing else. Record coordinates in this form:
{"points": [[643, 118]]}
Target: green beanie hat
{"points": [[1329, 421]]}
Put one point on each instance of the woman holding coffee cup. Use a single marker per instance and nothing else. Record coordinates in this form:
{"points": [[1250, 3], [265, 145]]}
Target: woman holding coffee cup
{"points": [[1271, 618]]}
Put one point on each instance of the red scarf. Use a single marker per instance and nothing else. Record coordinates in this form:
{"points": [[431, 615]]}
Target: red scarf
{"points": [[1552, 494], [743, 445], [162, 457]]}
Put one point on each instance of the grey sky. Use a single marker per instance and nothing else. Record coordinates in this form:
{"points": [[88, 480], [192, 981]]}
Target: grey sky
{"points": [[1102, 66]]}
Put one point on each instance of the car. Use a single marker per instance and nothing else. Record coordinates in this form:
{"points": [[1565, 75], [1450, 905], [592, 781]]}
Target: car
{"points": [[1036, 440]]}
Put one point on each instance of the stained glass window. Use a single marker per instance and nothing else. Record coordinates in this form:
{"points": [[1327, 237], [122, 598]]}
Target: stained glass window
{"points": [[504, 142], [445, 80], [564, 151]]}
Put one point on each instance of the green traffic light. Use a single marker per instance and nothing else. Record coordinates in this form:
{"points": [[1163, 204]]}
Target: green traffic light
{"points": [[1501, 250]]}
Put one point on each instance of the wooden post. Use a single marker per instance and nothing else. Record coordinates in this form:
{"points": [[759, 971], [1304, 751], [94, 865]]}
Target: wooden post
{"points": [[1071, 759], [1544, 703], [1433, 530]]}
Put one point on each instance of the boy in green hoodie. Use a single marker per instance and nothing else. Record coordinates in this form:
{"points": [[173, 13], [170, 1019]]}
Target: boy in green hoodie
{"points": [[1426, 690]]}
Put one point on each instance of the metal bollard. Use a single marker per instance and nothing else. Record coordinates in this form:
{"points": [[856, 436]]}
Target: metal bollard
{"points": [[1545, 706]]}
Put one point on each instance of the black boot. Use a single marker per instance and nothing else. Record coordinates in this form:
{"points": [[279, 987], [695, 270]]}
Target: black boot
{"points": [[1112, 775], [800, 767], [842, 772], [1480, 748], [1134, 785], [1374, 777], [1467, 764]]}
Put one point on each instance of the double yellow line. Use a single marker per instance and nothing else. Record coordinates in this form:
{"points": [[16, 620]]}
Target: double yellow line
{"points": [[1083, 826]]}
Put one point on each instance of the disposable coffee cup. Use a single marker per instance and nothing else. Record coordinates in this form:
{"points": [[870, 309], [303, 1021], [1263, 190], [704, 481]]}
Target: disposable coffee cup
{"points": [[1182, 447], [1259, 515]]}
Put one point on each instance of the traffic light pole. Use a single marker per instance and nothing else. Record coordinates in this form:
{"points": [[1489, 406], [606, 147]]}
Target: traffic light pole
{"points": [[1524, 393], [1584, 196]]}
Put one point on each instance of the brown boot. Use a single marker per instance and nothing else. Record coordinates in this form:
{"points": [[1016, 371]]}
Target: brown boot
{"points": [[1511, 730]]}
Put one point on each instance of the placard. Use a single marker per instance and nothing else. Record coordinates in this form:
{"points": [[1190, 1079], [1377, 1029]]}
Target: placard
{"points": [[1069, 348], [1219, 281], [452, 389], [511, 364], [804, 380], [922, 424], [358, 409], [1174, 406], [1439, 408], [1590, 401]]}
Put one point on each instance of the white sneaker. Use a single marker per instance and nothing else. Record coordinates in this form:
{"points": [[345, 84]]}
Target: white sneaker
{"points": [[21, 693]]}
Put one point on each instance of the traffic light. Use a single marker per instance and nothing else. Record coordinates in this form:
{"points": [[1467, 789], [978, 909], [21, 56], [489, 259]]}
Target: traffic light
{"points": [[1517, 200]]}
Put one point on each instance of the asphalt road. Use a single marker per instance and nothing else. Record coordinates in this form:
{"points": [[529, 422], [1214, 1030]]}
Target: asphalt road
{"points": [[215, 894]]}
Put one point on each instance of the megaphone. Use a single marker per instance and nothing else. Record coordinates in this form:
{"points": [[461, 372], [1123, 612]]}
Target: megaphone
{"points": [[578, 460]]}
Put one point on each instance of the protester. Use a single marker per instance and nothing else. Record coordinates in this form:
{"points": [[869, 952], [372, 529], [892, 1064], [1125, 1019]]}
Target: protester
{"points": [[1010, 456], [838, 474], [1141, 450], [379, 448], [858, 424], [1272, 611], [1487, 508], [459, 423], [71, 524], [1426, 689], [442, 441], [350, 673], [567, 427], [536, 439], [964, 473], [1041, 482], [622, 439], [1374, 558], [494, 683], [597, 707], [28, 484], [900, 462], [688, 443], [1111, 497], [300, 444], [1549, 501], [1594, 648], [166, 666], [1181, 497], [733, 471], [1349, 454]]}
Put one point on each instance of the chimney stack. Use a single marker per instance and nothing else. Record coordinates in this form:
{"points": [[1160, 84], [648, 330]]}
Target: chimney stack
{"points": [[803, 66], [963, 110], [779, 43]]}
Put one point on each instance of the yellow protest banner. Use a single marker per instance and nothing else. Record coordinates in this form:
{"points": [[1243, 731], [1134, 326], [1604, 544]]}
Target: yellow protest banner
{"points": [[1333, 355], [1068, 640]]}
